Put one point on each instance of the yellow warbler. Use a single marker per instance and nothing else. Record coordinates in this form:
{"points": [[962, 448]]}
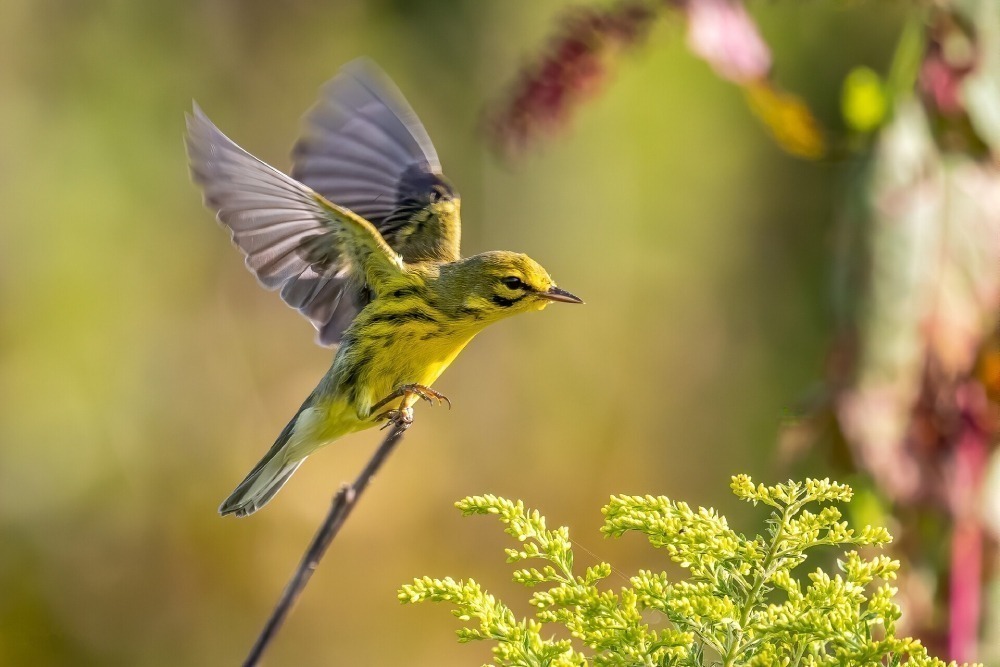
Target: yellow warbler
{"points": [[362, 239]]}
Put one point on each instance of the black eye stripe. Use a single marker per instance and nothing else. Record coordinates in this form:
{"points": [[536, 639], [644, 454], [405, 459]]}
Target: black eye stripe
{"points": [[505, 303]]}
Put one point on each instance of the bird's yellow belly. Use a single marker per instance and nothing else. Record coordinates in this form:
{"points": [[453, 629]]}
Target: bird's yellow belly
{"points": [[421, 363], [375, 367]]}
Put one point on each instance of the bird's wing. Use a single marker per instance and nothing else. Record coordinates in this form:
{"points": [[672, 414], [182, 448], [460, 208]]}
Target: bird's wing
{"points": [[364, 148], [292, 237], [359, 141]]}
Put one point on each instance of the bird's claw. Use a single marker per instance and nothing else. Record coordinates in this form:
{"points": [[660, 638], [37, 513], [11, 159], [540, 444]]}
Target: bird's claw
{"points": [[426, 393], [402, 418], [429, 394]]}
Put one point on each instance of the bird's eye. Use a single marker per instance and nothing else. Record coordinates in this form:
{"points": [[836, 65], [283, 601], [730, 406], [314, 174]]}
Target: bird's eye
{"points": [[513, 282]]}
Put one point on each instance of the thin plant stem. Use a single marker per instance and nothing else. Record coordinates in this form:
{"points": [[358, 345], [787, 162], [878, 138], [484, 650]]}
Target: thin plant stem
{"points": [[345, 500], [736, 648]]}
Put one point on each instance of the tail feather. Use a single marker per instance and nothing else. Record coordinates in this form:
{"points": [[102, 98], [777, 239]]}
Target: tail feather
{"points": [[258, 488], [267, 477]]}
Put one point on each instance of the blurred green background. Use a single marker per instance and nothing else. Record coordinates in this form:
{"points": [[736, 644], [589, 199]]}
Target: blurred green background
{"points": [[143, 372]]}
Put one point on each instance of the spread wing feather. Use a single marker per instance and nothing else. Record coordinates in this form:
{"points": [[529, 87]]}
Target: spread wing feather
{"points": [[292, 237], [359, 141], [364, 150]]}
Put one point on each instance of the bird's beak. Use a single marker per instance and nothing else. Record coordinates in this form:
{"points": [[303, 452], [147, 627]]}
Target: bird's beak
{"points": [[556, 294]]}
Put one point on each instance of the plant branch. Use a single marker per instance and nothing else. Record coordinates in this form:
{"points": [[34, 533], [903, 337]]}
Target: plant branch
{"points": [[345, 500], [735, 649]]}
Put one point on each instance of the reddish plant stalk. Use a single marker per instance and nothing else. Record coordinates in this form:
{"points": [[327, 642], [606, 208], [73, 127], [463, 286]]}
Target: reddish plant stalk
{"points": [[965, 584]]}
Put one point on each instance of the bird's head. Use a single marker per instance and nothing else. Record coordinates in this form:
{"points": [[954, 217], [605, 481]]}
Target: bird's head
{"points": [[497, 284]]}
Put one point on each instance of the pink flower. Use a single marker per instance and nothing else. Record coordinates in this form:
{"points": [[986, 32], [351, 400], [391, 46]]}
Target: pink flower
{"points": [[723, 34]]}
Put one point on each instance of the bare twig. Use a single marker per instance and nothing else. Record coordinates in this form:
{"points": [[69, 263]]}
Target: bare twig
{"points": [[343, 503]]}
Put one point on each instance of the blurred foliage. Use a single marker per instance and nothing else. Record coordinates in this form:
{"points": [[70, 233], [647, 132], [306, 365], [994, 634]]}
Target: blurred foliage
{"points": [[142, 370], [742, 600], [788, 119], [863, 100]]}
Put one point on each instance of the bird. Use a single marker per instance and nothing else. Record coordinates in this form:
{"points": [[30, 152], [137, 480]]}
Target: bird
{"points": [[363, 239]]}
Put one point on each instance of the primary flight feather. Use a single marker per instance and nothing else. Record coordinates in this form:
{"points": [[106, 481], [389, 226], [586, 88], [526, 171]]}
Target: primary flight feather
{"points": [[363, 240]]}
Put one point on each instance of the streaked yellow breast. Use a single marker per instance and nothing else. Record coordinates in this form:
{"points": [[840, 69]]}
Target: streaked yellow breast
{"points": [[383, 355]]}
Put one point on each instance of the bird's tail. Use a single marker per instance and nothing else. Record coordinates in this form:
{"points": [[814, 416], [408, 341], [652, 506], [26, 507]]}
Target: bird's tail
{"points": [[258, 488], [266, 479]]}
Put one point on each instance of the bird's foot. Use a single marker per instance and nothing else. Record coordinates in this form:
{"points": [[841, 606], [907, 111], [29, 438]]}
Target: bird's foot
{"points": [[406, 390], [402, 418], [428, 394]]}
